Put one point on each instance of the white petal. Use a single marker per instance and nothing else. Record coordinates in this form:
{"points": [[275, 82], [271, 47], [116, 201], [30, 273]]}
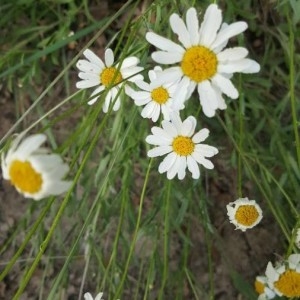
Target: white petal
{"points": [[169, 128], [88, 296], [254, 67], [188, 126], [57, 187], [180, 29], [167, 58], [159, 151], [99, 296], [95, 92], [232, 54], [141, 98], [176, 121], [271, 273], [161, 133], [163, 43], [228, 32], [30, 144], [86, 66], [206, 150], [239, 66], [221, 101], [208, 98], [202, 160], [93, 58], [181, 167], [162, 140], [174, 169], [170, 75], [200, 136], [84, 84], [109, 57], [152, 75], [225, 86], [192, 23], [130, 62], [89, 76], [193, 167], [107, 101], [156, 113], [210, 25], [167, 163], [143, 85], [135, 78], [148, 110]]}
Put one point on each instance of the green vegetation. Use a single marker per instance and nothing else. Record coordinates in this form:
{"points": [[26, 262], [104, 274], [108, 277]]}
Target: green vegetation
{"points": [[123, 228]]}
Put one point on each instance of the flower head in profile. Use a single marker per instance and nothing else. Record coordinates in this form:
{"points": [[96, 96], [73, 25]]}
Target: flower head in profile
{"points": [[201, 59], [33, 170], [284, 279], [107, 76], [156, 96], [244, 213], [88, 296], [182, 145], [261, 287]]}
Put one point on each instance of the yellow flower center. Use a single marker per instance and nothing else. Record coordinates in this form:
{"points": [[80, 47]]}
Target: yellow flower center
{"points": [[289, 283], [259, 287], [183, 145], [160, 95], [24, 177], [199, 63], [110, 76], [246, 215]]}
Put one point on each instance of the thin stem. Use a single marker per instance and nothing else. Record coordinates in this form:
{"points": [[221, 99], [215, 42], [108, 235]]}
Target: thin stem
{"points": [[166, 242], [135, 234], [292, 85]]}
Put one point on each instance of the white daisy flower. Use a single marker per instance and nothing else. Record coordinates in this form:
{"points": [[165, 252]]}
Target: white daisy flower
{"points": [[32, 170], [88, 296], [202, 60], [157, 96], [244, 213], [107, 75], [261, 287], [184, 148], [284, 279]]}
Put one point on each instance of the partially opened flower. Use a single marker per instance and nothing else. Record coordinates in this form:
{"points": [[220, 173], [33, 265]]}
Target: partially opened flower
{"points": [[88, 296], [108, 76], [157, 96], [184, 148], [244, 213], [284, 279], [261, 287], [33, 170], [201, 60]]}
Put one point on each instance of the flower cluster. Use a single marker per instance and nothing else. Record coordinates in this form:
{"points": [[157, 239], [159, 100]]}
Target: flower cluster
{"points": [[200, 60], [281, 280]]}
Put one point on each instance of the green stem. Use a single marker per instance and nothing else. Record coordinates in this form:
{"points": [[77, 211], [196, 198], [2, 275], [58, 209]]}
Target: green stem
{"points": [[166, 242], [27, 239], [292, 85], [241, 139], [135, 234]]}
